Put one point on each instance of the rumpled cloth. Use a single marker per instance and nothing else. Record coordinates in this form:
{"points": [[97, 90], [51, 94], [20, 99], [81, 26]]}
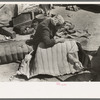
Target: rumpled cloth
{"points": [[7, 12], [27, 8]]}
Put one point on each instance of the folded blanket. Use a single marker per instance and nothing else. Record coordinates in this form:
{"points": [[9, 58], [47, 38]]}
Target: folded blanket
{"points": [[51, 61]]}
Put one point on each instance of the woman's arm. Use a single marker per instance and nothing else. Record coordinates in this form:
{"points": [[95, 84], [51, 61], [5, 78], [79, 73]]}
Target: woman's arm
{"points": [[46, 38], [48, 41], [74, 59]]}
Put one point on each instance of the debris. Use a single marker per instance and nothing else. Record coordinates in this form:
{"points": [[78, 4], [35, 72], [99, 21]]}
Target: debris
{"points": [[72, 7], [7, 31], [68, 31], [22, 23]]}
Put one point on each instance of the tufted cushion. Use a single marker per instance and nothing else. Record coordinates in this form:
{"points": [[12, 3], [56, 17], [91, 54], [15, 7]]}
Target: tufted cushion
{"points": [[12, 51]]}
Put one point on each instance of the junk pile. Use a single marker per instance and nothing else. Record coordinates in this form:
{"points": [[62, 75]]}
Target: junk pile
{"points": [[22, 23], [68, 32], [72, 7], [18, 19]]}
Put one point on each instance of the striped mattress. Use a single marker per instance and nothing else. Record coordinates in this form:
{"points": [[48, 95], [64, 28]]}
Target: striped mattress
{"points": [[51, 61]]}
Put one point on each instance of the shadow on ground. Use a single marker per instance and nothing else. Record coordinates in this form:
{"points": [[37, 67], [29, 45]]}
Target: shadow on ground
{"points": [[92, 8], [95, 65]]}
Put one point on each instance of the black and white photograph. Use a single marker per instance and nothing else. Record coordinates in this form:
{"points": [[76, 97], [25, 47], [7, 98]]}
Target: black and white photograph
{"points": [[49, 42]]}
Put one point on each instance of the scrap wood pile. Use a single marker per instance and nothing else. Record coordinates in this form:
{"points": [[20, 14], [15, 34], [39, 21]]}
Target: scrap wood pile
{"points": [[20, 23]]}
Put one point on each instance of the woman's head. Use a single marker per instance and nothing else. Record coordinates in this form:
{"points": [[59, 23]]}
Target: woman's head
{"points": [[57, 20]]}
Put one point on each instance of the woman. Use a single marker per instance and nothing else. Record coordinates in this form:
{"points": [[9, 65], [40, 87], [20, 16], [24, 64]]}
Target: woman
{"points": [[52, 56], [46, 30]]}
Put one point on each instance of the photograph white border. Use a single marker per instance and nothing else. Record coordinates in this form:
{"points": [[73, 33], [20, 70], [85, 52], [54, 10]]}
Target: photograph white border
{"points": [[50, 89]]}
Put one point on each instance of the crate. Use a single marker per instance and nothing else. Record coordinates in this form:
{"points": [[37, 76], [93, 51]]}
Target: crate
{"points": [[23, 19]]}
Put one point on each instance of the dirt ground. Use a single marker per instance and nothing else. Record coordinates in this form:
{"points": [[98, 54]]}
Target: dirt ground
{"points": [[83, 20]]}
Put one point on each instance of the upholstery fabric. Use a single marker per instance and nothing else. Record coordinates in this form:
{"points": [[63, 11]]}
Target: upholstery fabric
{"points": [[51, 61]]}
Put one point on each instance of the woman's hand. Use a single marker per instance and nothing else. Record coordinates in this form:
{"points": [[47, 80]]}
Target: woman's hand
{"points": [[28, 57], [59, 34], [78, 65], [60, 40]]}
